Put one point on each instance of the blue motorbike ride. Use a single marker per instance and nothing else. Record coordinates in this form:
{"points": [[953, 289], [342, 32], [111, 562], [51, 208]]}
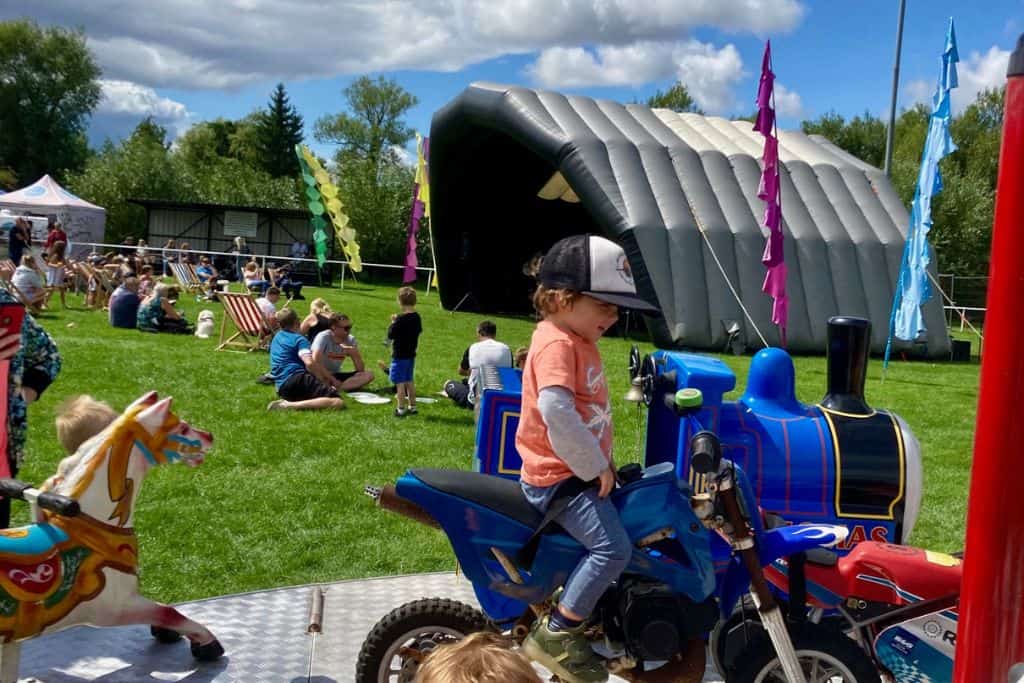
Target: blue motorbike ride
{"points": [[664, 603]]}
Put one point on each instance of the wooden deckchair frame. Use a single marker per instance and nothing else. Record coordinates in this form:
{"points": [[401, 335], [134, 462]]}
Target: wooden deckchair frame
{"points": [[252, 332], [33, 308], [185, 274]]}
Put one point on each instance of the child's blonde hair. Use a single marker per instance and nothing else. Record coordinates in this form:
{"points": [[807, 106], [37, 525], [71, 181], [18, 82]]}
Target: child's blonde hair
{"points": [[483, 657], [79, 419], [407, 296]]}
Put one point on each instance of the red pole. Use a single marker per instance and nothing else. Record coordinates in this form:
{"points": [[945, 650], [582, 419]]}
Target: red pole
{"points": [[990, 638]]}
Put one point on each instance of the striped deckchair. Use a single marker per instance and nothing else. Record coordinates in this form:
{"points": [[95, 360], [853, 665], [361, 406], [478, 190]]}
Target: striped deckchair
{"points": [[252, 331], [186, 276]]}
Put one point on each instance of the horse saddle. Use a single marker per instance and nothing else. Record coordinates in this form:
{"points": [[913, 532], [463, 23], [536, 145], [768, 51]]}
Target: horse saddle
{"points": [[30, 561]]}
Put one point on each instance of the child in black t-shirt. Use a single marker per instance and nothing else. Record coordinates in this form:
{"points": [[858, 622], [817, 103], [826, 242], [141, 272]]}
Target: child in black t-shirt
{"points": [[404, 332]]}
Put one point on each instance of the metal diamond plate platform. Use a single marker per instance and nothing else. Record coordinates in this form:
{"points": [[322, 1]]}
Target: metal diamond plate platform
{"points": [[264, 635]]}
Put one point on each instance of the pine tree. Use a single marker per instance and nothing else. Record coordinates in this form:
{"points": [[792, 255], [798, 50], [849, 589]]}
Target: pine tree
{"points": [[279, 129]]}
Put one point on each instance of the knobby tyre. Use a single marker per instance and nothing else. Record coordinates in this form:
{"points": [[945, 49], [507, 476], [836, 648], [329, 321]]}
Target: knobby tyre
{"points": [[420, 626], [824, 653]]}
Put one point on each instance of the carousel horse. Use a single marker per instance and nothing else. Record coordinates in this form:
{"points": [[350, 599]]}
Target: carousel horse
{"points": [[82, 568]]}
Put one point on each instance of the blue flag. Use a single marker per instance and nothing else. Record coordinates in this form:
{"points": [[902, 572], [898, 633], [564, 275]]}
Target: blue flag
{"points": [[913, 288]]}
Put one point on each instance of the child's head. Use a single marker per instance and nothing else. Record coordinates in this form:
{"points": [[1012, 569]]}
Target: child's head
{"points": [[586, 277], [520, 356], [486, 329], [407, 296], [146, 271], [273, 294], [80, 418], [287, 319], [483, 657]]}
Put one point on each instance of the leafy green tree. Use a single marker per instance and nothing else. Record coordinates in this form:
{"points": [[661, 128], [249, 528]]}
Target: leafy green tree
{"points": [[244, 141], [150, 131], [375, 186], [278, 130], [863, 136], [373, 124], [49, 85], [142, 167], [677, 98], [962, 213], [138, 168]]}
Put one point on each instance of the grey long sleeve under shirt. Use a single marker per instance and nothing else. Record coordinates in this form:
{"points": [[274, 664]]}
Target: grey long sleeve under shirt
{"points": [[569, 437]]}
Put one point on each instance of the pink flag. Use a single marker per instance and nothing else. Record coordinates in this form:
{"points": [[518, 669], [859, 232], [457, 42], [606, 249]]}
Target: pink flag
{"points": [[769, 191]]}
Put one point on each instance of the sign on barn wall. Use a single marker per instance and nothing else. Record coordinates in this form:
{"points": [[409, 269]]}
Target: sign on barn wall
{"points": [[240, 223]]}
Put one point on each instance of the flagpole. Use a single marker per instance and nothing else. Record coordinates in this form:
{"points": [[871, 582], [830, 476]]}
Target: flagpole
{"points": [[891, 132]]}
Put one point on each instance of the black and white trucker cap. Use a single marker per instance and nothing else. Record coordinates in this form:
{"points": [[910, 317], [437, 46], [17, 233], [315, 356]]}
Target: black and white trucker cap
{"points": [[594, 266]]}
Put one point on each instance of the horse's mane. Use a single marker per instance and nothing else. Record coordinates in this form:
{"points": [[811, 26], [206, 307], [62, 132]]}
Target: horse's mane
{"points": [[79, 467]]}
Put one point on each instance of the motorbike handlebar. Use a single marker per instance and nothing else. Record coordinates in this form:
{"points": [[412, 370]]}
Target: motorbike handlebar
{"points": [[54, 502], [705, 452]]}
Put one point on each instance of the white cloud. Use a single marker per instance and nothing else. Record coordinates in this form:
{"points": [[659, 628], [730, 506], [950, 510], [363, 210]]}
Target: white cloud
{"points": [[979, 72], [709, 73], [976, 73], [787, 102], [124, 104], [124, 97], [215, 45]]}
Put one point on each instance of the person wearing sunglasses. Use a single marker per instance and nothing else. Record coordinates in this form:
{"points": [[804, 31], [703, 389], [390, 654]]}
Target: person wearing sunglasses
{"points": [[332, 346]]}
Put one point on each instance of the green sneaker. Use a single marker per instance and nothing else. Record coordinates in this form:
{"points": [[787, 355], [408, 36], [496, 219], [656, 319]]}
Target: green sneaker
{"points": [[565, 653]]}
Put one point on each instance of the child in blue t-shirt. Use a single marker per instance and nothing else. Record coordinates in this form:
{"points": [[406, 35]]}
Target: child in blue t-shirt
{"points": [[302, 383]]}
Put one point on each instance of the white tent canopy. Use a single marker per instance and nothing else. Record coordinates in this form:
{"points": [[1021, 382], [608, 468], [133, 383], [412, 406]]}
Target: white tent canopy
{"points": [[82, 221]]}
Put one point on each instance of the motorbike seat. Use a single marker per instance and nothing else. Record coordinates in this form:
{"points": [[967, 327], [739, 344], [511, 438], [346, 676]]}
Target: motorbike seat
{"points": [[502, 495]]}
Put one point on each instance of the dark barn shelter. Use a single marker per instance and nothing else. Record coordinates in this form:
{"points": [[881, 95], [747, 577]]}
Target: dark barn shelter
{"points": [[513, 170]]}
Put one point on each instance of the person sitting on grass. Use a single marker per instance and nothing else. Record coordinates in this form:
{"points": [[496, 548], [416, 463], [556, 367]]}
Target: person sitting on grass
{"points": [[124, 304], [268, 306], [146, 282], [483, 657], [301, 383], [27, 280], [253, 278], [157, 312], [283, 280], [318, 319], [332, 346], [207, 274]]}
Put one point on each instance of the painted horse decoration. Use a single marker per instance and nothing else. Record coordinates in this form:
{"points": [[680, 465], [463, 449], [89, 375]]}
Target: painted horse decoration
{"points": [[81, 567]]}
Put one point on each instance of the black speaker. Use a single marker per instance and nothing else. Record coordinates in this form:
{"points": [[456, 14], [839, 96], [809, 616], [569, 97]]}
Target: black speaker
{"points": [[960, 351]]}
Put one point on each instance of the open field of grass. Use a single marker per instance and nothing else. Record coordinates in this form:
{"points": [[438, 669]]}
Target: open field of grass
{"points": [[279, 501]]}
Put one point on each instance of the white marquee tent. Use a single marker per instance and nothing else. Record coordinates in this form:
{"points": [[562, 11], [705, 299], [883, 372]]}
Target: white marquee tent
{"points": [[82, 221]]}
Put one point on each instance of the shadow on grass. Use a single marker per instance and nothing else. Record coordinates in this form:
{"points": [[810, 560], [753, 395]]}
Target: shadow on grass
{"points": [[462, 422]]}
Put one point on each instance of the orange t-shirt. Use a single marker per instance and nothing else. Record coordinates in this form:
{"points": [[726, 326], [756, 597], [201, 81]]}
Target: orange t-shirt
{"points": [[560, 358]]}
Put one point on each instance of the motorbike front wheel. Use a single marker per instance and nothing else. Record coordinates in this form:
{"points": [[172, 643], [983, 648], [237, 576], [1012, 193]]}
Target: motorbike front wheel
{"points": [[396, 645], [826, 656]]}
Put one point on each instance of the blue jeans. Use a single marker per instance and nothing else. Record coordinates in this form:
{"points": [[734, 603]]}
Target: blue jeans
{"points": [[594, 523]]}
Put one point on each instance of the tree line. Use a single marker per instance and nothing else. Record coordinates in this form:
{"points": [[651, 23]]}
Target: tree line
{"points": [[49, 87]]}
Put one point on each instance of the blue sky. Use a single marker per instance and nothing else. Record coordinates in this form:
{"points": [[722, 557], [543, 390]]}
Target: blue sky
{"points": [[184, 62]]}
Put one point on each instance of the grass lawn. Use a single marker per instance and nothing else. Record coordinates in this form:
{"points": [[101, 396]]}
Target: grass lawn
{"points": [[279, 501]]}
